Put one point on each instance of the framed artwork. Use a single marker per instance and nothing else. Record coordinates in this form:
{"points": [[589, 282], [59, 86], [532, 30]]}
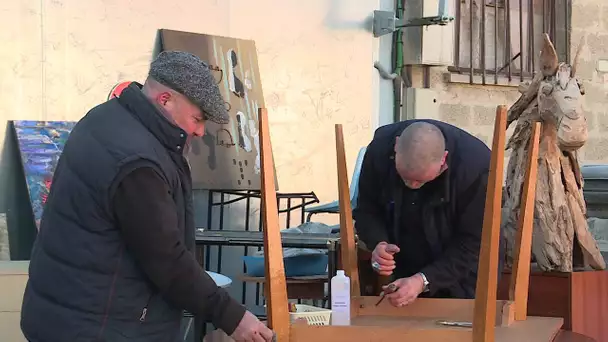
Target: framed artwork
{"points": [[40, 144]]}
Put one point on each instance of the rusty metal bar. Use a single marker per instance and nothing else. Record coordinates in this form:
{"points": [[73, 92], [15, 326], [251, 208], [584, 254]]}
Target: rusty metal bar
{"points": [[521, 40], [457, 38], [544, 16], [482, 41], [527, 54], [477, 71], [508, 40], [553, 23], [549, 16], [495, 41], [568, 30], [531, 49], [471, 42]]}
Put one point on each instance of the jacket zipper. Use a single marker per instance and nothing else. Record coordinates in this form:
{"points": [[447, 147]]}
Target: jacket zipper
{"points": [[144, 311], [110, 295]]}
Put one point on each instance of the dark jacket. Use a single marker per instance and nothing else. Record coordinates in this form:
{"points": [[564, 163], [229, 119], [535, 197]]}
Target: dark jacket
{"points": [[114, 258], [452, 216]]}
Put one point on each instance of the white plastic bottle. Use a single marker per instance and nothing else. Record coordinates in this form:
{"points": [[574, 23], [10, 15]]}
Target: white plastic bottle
{"points": [[340, 299]]}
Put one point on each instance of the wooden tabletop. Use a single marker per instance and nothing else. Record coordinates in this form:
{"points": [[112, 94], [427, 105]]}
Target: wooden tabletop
{"points": [[569, 336]]}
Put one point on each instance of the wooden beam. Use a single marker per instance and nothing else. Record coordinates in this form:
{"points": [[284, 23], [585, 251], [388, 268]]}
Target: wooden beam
{"points": [[440, 308], [347, 231], [378, 333], [381, 329], [520, 277], [276, 287], [484, 317]]}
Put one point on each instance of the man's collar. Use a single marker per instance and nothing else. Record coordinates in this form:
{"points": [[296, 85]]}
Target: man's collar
{"points": [[169, 134]]}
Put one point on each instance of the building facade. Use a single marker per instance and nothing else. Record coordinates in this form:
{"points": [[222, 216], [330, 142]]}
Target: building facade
{"points": [[499, 67]]}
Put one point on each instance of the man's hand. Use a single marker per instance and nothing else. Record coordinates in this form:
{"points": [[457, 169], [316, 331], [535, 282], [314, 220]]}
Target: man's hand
{"points": [[383, 261], [408, 290], [251, 329]]}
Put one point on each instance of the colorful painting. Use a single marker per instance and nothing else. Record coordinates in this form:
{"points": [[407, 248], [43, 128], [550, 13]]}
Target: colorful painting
{"points": [[227, 157], [40, 145]]}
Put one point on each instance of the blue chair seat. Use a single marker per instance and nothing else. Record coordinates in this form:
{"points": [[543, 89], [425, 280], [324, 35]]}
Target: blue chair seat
{"points": [[331, 207], [335, 229], [334, 207]]}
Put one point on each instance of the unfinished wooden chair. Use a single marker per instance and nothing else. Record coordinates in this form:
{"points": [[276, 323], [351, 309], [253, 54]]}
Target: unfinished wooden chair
{"points": [[492, 320]]}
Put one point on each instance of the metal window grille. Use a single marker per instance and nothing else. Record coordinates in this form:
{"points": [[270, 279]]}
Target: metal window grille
{"points": [[503, 38]]}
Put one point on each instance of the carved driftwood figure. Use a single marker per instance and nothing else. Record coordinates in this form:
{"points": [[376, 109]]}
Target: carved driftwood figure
{"points": [[561, 237]]}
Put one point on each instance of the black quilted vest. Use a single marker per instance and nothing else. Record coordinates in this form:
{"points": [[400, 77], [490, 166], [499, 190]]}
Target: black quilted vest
{"points": [[84, 285]]}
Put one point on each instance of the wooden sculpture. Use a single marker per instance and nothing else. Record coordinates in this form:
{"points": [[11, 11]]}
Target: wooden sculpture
{"points": [[491, 320], [560, 225]]}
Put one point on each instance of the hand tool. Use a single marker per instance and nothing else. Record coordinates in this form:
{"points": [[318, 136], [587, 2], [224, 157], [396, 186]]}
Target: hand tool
{"points": [[456, 324], [389, 289]]}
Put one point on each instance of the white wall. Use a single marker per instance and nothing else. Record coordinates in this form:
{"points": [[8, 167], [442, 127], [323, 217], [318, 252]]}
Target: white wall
{"points": [[61, 57]]}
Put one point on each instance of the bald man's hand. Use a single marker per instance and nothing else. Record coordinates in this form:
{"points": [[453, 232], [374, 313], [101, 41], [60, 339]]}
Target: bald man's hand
{"points": [[383, 261]]}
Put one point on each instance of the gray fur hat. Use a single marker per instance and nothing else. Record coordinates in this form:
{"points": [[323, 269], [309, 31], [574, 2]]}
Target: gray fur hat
{"points": [[189, 75]]}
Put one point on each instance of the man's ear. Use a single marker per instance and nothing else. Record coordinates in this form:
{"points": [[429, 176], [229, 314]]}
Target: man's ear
{"points": [[444, 165], [396, 143], [163, 98]]}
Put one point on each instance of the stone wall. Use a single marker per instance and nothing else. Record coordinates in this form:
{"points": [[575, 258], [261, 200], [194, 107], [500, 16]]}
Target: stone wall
{"points": [[590, 21], [472, 107]]}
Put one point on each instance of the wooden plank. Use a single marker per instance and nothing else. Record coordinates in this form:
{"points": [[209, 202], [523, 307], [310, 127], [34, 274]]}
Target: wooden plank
{"points": [[569, 336], [305, 333], [439, 308], [548, 296], [347, 230], [487, 276], [534, 329], [589, 303], [276, 287], [518, 292]]}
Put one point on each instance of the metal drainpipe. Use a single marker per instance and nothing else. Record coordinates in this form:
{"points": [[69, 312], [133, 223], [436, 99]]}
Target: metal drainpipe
{"points": [[398, 64]]}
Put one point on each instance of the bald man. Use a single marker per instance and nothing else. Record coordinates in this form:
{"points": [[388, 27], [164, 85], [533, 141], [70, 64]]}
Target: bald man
{"points": [[420, 208]]}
